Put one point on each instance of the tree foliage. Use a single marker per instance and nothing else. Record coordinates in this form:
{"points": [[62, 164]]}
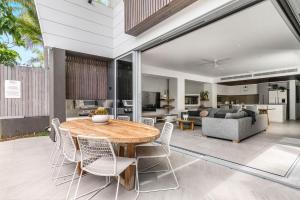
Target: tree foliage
{"points": [[8, 57], [19, 21], [8, 23], [28, 20]]}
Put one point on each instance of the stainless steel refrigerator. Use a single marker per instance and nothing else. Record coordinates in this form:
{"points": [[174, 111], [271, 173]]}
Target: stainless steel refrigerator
{"points": [[278, 97]]}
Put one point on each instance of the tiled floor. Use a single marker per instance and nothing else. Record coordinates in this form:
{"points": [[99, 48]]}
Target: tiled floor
{"points": [[25, 175]]}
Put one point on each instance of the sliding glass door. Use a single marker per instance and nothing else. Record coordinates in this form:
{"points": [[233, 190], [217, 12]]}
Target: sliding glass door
{"points": [[127, 86]]}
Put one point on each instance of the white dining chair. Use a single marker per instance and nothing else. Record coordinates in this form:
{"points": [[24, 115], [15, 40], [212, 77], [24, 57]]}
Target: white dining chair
{"points": [[157, 151], [70, 153], [123, 117], [55, 124], [98, 158], [148, 121], [57, 147]]}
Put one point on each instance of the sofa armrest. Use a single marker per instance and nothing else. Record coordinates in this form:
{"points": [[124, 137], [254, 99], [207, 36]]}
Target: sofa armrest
{"points": [[221, 128]]}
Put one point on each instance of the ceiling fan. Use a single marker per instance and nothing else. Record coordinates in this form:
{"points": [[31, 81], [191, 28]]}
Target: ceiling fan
{"points": [[216, 63]]}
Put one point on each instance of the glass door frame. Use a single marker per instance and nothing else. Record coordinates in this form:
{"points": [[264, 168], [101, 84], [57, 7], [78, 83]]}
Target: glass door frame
{"points": [[136, 84]]}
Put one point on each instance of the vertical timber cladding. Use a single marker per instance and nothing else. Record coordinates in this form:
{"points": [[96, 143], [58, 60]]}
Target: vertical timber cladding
{"points": [[34, 88], [140, 15], [86, 78]]}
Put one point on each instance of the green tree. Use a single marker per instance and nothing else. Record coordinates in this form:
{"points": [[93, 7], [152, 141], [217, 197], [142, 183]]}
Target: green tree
{"points": [[9, 28], [19, 21], [8, 57], [28, 21]]}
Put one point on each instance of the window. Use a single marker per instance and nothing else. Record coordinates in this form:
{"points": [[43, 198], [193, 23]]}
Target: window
{"points": [[104, 2]]}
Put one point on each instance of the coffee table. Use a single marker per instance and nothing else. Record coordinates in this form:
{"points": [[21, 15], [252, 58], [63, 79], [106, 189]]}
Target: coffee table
{"points": [[182, 122]]}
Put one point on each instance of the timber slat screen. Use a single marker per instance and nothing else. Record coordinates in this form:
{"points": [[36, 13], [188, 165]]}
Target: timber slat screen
{"points": [[140, 15], [86, 78], [34, 99]]}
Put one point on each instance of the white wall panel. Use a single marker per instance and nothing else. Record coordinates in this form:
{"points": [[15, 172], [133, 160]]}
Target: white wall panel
{"points": [[77, 26], [76, 20], [76, 45]]}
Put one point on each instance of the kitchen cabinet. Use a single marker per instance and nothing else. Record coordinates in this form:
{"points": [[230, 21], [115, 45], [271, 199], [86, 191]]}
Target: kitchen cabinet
{"points": [[237, 89]]}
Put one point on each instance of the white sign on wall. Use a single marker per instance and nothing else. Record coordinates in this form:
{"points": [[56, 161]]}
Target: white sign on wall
{"points": [[12, 89]]}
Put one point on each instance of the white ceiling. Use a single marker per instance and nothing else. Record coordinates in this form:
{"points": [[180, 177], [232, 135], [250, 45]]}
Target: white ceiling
{"points": [[256, 39]]}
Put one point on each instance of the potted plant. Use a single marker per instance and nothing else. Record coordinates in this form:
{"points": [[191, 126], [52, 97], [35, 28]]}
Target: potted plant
{"points": [[100, 115], [204, 97]]}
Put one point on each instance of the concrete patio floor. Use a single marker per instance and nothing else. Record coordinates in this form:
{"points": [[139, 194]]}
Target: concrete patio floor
{"points": [[26, 174]]}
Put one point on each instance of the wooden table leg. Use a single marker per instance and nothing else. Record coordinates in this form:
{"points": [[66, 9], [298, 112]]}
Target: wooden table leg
{"points": [[181, 125], [128, 177], [192, 125]]}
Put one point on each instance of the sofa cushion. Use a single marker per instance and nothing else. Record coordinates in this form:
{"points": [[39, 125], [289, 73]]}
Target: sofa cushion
{"points": [[194, 113], [221, 113], [237, 115], [212, 112]]}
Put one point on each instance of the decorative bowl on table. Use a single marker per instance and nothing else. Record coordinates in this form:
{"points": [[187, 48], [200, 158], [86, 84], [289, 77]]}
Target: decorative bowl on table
{"points": [[100, 116], [102, 119]]}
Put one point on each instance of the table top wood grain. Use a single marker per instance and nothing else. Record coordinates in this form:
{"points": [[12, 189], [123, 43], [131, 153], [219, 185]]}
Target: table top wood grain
{"points": [[117, 131]]}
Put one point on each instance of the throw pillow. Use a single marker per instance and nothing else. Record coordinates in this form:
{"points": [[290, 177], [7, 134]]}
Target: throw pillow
{"points": [[204, 113]]}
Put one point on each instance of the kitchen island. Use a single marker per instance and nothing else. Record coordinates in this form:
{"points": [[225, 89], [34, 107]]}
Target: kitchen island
{"points": [[276, 112]]}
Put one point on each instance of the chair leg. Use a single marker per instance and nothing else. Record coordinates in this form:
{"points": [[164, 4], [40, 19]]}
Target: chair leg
{"points": [[137, 183], [96, 191], [117, 192], [70, 186], [177, 184], [145, 171], [52, 153], [56, 163], [76, 191], [61, 164], [164, 189], [54, 156]]}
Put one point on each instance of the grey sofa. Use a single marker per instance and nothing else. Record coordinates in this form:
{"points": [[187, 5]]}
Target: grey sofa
{"points": [[234, 129]]}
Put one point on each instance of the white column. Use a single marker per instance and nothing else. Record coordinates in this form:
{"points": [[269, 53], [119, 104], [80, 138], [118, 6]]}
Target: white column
{"points": [[212, 89], [214, 95], [137, 86], [180, 94], [292, 86]]}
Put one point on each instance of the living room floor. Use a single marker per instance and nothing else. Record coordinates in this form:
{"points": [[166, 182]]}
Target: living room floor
{"points": [[272, 155]]}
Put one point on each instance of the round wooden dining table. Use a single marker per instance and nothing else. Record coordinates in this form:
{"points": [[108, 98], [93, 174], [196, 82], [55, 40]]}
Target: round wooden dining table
{"points": [[127, 133]]}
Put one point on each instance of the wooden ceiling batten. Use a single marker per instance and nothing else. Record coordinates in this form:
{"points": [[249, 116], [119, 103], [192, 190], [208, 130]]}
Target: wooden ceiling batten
{"points": [[141, 15]]}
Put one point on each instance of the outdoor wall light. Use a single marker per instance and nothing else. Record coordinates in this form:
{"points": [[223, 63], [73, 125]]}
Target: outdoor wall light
{"points": [[90, 1]]}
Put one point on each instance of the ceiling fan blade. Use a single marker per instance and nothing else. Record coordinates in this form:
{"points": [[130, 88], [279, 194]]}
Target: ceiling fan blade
{"points": [[207, 60], [223, 60], [208, 63]]}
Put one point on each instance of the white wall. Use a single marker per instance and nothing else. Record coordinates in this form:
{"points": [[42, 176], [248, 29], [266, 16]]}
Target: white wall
{"points": [[154, 84], [95, 29], [77, 26], [249, 89], [159, 84], [173, 94], [180, 78], [193, 87], [293, 105], [158, 71]]}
